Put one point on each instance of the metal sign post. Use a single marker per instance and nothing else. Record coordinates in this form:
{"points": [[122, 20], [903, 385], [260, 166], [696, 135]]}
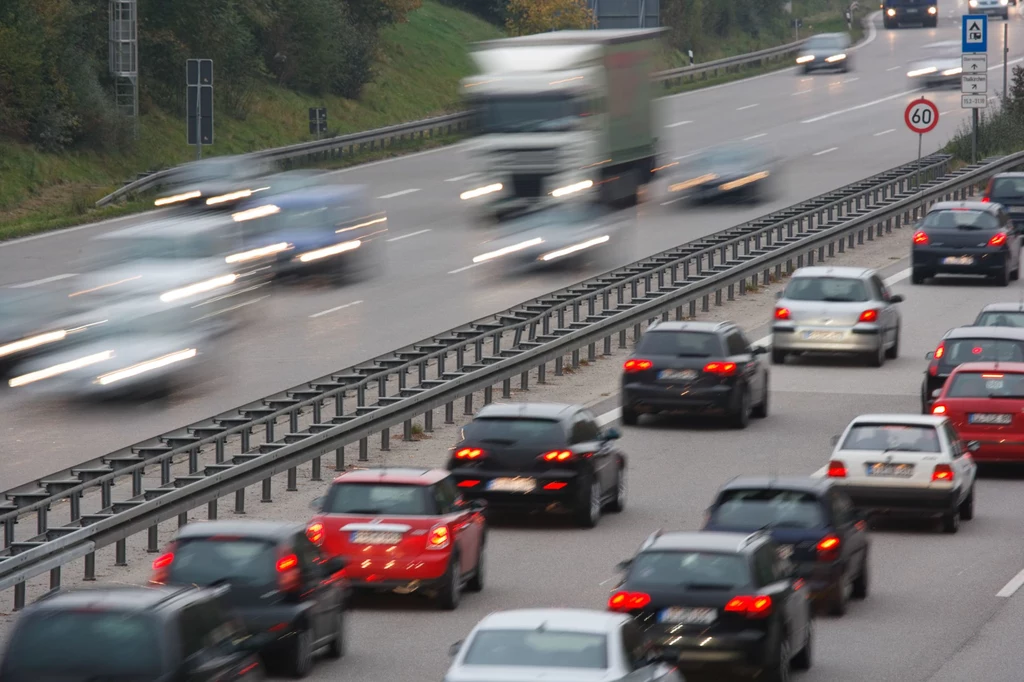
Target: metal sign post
{"points": [[1006, 53], [317, 121], [921, 116], [199, 103], [974, 82]]}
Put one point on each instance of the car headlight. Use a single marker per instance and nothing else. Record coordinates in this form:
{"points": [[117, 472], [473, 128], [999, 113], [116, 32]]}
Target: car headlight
{"points": [[933, 10], [1004, 3], [804, 59], [973, 3], [891, 12]]}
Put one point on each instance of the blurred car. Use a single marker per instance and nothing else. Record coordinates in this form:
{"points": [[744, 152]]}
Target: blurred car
{"points": [[731, 171], [697, 368], [574, 645], [217, 183], [1007, 189], [985, 403], [719, 602], [906, 464], [992, 8], [897, 13], [129, 633], [968, 344], [403, 531], [827, 309], [1001, 315], [541, 457], [30, 323], [283, 590], [966, 238], [814, 524], [939, 66], [825, 52]]}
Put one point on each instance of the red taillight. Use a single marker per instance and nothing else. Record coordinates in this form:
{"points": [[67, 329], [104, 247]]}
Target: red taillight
{"points": [[942, 472], [161, 567], [439, 537], [828, 548], [940, 350], [468, 484], [557, 456], [725, 369], [628, 601], [782, 313], [998, 239], [985, 199], [637, 365], [752, 607], [315, 533], [836, 469], [289, 579], [469, 453], [869, 316], [920, 238], [555, 485], [939, 409]]}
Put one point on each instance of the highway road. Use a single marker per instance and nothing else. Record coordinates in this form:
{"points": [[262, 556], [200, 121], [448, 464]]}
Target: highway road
{"points": [[832, 129]]}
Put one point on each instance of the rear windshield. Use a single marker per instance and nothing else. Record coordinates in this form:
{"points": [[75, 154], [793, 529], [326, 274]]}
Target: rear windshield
{"points": [[78, 645], [690, 570], [830, 289], [959, 351], [752, 509], [986, 385], [504, 431], [379, 499], [207, 561], [680, 344], [1007, 188], [1000, 319], [541, 649], [892, 437], [961, 219]]}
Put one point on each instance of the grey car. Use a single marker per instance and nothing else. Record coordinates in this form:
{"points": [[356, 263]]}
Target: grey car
{"points": [[938, 66], [992, 8], [825, 52], [568, 645], [837, 310]]}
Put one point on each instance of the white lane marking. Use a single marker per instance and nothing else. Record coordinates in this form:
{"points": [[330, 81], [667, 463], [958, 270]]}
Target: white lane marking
{"points": [[612, 415], [677, 124], [885, 132], [749, 106], [1000, 64], [406, 236], [893, 68], [671, 201], [461, 177], [463, 269], [800, 92], [943, 113], [1015, 584], [872, 31], [861, 106], [335, 309], [850, 80], [398, 194], [45, 280], [754, 137], [825, 151]]}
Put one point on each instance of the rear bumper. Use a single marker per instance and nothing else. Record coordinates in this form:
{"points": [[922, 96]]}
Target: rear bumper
{"points": [[991, 11], [857, 339], [986, 261], [747, 649], [902, 499], [558, 488], [384, 573], [673, 398]]}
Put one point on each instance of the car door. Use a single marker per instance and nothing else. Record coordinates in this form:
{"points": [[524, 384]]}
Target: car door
{"points": [[757, 375], [1013, 237], [315, 593], [850, 529], [963, 465], [586, 437], [460, 519], [774, 577]]}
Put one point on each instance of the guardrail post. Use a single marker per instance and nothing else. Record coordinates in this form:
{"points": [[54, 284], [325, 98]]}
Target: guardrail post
{"points": [[55, 578], [193, 460], [165, 471], [218, 452], [90, 567], [449, 413], [488, 395], [542, 371], [269, 430], [314, 474], [576, 358], [468, 405], [120, 558], [240, 501], [9, 532], [559, 361], [364, 450], [428, 421], [19, 596], [524, 381], [506, 386], [267, 485], [153, 539], [105, 494], [75, 500], [182, 519], [385, 440], [41, 519], [245, 435], [291, 486]]}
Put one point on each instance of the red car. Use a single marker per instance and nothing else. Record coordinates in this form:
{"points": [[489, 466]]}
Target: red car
{"points": [[403, 531], [985, 402]]}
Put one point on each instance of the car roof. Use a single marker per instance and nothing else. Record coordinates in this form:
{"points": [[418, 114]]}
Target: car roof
{"points": [[988, 207], [277, 530], [798, 483], [1013, 367], [112, 597], [832, 271], [701, 541], [689, 326], [1005, 307], [174, 227], [1010, 174], [575, 620], [400, 475], [904, 418], [555, 411], [971, 332]]}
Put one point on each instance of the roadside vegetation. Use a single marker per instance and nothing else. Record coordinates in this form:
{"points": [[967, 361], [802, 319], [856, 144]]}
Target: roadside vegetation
{"points": [[1000, 128]]}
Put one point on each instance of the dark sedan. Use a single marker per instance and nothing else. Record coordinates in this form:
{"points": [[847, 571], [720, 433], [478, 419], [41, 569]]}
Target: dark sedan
{"points": [[966, 238], [825, 52], [218, 183], [726, 172]]}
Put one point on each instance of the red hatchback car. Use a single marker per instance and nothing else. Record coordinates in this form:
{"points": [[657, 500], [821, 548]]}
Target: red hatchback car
{"points": [[985, 402], [403, 531]]}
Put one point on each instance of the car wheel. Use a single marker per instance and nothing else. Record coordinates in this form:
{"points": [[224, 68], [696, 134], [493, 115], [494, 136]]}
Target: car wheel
{"points": [[877, 358], [629, 415], [476, 583], [618, 502], [917, 276], [336, 648], [301, 654], [1003, 278], [1006, 17], [780, 669], [1015, 275], [840, 600], [967, 507], [450, 593], [894, 352], [778, 357], [588, 513], [804, 658], [951, 522], [741, 418], [760, 411], [860, 584]]}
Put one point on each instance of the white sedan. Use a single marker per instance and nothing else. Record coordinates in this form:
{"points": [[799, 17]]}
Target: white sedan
{"points": [[906, 464]]}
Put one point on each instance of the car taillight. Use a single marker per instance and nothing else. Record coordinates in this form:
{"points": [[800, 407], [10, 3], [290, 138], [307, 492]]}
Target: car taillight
{"points": [[940, 350], [628, 601], [438, 537], [782, 313], [942, 472], [985, 199], [920, 238], [289, 579], [998, 239], [724, 369], [469, 453], [828, 548], [468, 484], [836, 469], [752, 607], [162, 568], [315, 533], [939, 409], [634, 365], [868, 316], [557, 456]]}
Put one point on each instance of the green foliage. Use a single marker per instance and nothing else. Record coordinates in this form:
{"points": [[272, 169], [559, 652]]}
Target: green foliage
{"points": [[1000, 129], [494, 11]]}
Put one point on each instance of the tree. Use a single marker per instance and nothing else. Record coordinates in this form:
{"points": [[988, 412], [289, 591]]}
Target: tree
{"points": [[537, 16]]}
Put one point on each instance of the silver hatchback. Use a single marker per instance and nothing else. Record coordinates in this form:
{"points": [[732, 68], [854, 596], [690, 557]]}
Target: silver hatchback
{"points": [[837, 310]]}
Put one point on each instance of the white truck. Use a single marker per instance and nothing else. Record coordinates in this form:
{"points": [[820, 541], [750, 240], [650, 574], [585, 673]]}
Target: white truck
{"points": [[563, 116]]}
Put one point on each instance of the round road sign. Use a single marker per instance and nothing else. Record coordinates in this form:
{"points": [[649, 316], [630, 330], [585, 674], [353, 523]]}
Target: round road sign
{"points": [[921, 116]]}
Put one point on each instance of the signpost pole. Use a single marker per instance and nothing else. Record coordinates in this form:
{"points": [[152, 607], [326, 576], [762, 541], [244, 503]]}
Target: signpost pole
{"points": [[974, 136], [1006, 52], [199, 125], [920, 139], [921, 116], [974, 67]]}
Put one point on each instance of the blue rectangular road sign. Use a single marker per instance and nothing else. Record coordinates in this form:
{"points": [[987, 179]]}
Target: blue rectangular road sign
{"points": [[975, 33]]}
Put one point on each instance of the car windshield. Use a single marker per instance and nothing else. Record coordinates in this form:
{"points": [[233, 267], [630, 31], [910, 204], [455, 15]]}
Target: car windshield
{"points": [[1007, 188], [959, 351], [752, 509], [205, 561], [893, 438], [538, 649], [998, 318], [378, 499], [694, 570], [986, 385], [530, 113], [960, 219], [514, 431], [680, 344], [84, 644], [830, 289], [824, 43]]}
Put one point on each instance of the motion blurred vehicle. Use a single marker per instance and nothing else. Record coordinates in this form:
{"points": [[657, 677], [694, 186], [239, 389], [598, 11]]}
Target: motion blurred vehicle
{"points": [[726, 172], [574, 645], [940, 65], [555, 236], [966, 238], [277, 582], [992, 8], [985, 403], [403, 531], [218, 183], [1007, 189], [695, 368], [30, 324], [541, 457], [825, 52], [906, 464], [968, 344], [813, 523], [132, 633], [837, 310], [896, 13], [719, 602], [1001, 315]]}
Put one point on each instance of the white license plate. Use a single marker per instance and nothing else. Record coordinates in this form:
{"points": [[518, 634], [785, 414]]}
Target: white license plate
{"points": [[911, 10], [372, 537], [678, 374], [991, 418], [513, 485], [886, 469], [688, 616], [823, 336], [1016, 209], [958, 260]]}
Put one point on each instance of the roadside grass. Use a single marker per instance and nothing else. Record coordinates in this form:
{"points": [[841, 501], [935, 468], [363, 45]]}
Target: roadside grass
{"points": [[1000, 132]]}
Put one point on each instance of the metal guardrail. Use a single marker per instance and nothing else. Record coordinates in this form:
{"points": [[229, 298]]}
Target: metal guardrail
{"points": [[322, 417], [382, 138]]}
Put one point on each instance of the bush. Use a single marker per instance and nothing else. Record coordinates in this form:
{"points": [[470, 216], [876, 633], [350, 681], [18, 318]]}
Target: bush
{"points": [[526, 17], [494, 11], [1000, 129]]}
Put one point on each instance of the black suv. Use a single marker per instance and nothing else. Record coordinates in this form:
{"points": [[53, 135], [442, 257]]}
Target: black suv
{"points": [[968, 344], [695, 368], [814, 524], [718, 599], [281, 586], [966, 238], [130, 633], [1007, 189]]}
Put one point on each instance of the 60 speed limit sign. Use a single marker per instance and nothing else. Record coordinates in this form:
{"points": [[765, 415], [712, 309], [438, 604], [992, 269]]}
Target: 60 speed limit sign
{"points": [[921, 116]]}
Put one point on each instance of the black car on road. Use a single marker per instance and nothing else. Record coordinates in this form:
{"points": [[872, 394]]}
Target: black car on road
{"points": [[1007, 189], [814, 524], [968, 344], [722, 601], [540, 457], [896, 13], [966, 238], [695, 368]]}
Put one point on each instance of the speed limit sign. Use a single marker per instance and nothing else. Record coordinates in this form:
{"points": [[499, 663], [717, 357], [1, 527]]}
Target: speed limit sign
{"points": [[921, 116]]}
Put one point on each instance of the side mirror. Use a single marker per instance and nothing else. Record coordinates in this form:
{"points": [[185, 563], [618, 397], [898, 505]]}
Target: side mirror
{"points": [[317, 504], [623, 566], [759, 350], [973, 446], [454, 649], [936, 393], [611, 434], [896, 298], [929, 355]]}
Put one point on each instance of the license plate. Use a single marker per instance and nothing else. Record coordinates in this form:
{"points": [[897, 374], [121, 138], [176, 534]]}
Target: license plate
{"points": [[958, 260], [885, 469], [911, 10], [512, 485], [688, 616], [823, 336], [678, 374], [990, 418], [1016, 209], [372, 537]]}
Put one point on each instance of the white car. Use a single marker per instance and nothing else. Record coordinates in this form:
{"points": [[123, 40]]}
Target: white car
{"points": [[906, 464]]}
